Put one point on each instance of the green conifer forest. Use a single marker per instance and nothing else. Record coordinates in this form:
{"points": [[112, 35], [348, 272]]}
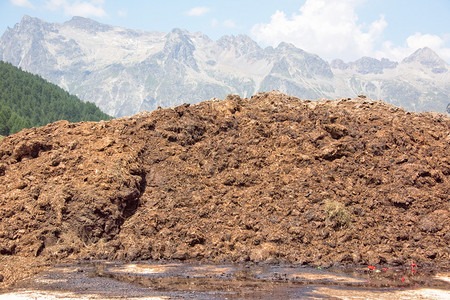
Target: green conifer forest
{"points": [[28, 100]]}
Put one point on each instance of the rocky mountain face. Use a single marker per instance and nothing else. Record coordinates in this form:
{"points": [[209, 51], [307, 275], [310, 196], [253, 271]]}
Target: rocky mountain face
{"points": [[268, 179], [419, 82], [126, 71], [365, 65]]}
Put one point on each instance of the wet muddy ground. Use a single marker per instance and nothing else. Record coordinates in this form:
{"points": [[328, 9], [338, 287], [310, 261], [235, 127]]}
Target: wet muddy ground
{"points": [[155, 280]]}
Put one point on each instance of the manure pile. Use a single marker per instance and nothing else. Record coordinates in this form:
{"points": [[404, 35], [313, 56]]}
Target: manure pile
{"points": [[267, 179]]}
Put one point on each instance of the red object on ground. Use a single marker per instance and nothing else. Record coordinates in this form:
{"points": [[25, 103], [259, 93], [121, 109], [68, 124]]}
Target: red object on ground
{"points": [[372, 267]]}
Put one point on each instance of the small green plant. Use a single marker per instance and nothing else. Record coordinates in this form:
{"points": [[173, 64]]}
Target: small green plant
{"points": [[337, 214]]}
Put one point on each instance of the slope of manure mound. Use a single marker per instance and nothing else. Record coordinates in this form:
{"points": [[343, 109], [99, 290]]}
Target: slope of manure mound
{"points": [[267, 179]]}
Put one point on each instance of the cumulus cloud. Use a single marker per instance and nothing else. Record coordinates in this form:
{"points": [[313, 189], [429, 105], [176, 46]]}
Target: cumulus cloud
{"points": [[54, 4], [22, 3], [86, 9], [198, 11], [329, 28], [93, 8], [414, 42]]}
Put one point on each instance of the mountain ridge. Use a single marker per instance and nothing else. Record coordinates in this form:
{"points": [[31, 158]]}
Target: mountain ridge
{"points": [[125, 71]]}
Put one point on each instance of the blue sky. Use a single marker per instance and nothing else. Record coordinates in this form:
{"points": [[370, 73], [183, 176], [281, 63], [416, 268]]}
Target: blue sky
{"points": [[347, 29]]}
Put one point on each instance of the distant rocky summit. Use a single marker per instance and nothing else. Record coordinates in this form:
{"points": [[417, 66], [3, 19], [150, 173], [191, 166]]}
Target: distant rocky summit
{"points": [[365, 65], [426, 57], [268, 179], [125, 71]]}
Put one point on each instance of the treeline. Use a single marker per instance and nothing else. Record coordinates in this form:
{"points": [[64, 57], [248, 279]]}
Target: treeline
{"points": [[28, 100]]}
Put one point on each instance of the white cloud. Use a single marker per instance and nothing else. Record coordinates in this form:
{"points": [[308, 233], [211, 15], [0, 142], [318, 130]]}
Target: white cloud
{"points": [[85, 9], [198, 11], [414, 42], [434, 42], [54, 4], [92, 8], [22, 3], [328, 28], [419, 40]]}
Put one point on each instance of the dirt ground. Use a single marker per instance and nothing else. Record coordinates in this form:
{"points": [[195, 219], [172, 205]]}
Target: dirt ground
{"points": [[268, 179], [182, 280]]}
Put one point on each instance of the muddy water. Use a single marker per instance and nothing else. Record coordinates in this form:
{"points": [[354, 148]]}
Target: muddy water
{"points": [[150, 280]]}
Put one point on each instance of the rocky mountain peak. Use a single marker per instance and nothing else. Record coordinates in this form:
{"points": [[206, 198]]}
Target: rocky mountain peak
{"points": [[179, 47], [365, 65], [338, 64], [178, 36], [388, 64], [31, 25], [25, 38], [26, 19], [87, 24], [177, 32], [245, 42], [294, 59], [241, 43], [428, 58], [286, 46]]}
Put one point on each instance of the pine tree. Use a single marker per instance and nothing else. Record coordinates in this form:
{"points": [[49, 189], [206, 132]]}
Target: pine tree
{"points": [[27, 100]]}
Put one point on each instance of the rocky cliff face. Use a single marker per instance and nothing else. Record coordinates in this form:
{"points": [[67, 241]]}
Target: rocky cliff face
{"points": [[267, 179], [126, 71]]}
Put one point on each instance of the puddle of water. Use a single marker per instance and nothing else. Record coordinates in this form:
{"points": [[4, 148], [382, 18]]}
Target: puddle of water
{"points": [[142, 269], [147, 280], [443, 277], [256, 272]]}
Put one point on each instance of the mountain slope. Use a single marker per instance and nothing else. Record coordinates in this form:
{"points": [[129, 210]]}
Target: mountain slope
{"points": [[27, 100], [420, 82], [126, 71]]}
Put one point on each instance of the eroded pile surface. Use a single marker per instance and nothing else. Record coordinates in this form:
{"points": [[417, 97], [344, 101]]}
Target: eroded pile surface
{"points": [[272, 178]]}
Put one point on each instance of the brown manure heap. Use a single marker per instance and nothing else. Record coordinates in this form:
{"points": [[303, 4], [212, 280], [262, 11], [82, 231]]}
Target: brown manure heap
{"points": [[267, 179]]}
